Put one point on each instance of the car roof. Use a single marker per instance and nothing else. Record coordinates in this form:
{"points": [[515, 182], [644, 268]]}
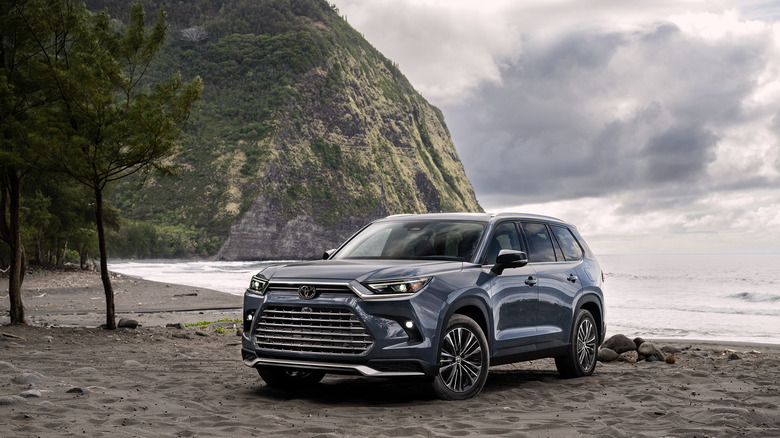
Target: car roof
{"points": [[482, 217]]}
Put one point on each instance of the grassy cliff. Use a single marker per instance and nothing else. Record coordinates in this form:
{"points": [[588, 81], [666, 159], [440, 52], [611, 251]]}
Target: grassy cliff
{"points": [[301, 120]]}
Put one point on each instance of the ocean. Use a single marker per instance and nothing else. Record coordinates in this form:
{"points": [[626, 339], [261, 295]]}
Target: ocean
{"points": [[713, 297]]}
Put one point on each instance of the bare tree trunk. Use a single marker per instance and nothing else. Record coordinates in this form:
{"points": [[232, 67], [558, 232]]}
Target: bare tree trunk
{"points": [[16, 276], [109, 291]]}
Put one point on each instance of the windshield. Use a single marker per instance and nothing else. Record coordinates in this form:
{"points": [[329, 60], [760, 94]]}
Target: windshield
{"points": [[413, 240]]}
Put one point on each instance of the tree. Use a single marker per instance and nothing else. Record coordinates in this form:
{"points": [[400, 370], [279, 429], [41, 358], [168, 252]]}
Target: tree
{"points": [[22, 125], [109, 123]]}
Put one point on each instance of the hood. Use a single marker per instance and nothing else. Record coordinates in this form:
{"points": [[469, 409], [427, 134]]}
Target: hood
{"points": [[360, 270]]}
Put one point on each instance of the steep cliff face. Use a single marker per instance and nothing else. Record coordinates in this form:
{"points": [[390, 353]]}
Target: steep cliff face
{"points": [[306, 134]]}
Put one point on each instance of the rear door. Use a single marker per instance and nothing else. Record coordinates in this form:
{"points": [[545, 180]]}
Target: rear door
{"points": [[558, 283]]}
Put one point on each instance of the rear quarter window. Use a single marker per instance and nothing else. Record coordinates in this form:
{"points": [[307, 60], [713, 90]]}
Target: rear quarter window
{"points": [[569, 245]]}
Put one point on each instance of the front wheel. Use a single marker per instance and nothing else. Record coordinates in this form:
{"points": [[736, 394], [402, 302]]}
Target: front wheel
{"points": [[580, 359], [290, 378], [464, 359]]}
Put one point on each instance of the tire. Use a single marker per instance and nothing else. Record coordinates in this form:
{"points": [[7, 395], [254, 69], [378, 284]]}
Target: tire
{"points": [[464, 359], [580, 359], [290, 378]]}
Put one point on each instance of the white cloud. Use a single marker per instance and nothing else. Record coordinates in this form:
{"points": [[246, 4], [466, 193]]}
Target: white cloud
{"points": [[654, 127]]}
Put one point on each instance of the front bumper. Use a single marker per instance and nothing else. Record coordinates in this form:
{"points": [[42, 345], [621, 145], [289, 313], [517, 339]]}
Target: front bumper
{"points": [[375, 369], [400, 338]]}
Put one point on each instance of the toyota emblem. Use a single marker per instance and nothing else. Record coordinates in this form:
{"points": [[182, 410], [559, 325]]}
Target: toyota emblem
{"points": [[307, 292]]}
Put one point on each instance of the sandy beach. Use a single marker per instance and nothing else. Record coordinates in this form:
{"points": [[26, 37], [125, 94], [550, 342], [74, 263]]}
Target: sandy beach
{"points": [[63, 376]]}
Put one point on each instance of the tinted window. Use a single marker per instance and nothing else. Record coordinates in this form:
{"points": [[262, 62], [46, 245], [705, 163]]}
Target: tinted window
{"points": [[504, 237], [571, 249], [540, 246]]}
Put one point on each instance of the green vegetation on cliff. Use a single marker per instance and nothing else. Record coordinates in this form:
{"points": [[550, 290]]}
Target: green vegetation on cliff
{"points": [[297, 111]]}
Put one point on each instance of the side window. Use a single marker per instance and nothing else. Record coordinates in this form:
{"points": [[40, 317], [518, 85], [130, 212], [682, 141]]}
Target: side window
{"points": [[504, 237], [571, 249], [540, 245]]}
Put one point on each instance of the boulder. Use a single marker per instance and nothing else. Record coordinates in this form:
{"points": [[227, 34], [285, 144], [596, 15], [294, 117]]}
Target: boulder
{"points": [[607, 355], [629, 356], [619, 344], [638, 341]]}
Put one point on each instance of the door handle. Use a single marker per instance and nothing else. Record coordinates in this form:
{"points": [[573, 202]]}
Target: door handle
{"points": [[531, 281], [572, 278]]}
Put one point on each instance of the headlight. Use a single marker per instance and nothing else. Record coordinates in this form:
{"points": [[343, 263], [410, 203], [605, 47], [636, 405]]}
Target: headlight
{"points": [[257, 285], [401, 287]]}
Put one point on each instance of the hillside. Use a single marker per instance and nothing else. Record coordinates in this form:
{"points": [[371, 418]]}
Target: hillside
{"points": [[304, 133]]}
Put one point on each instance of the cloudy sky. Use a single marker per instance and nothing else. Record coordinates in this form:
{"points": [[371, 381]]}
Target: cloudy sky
{"points": [[653, 126]]}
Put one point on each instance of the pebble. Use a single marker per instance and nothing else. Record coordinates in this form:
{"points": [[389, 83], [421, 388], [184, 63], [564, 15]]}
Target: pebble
{"points": [[734, 356], [201, 333], [176, 325], [33, 393], [132, 363], [670, 359], [181, 336], [6, 366]]}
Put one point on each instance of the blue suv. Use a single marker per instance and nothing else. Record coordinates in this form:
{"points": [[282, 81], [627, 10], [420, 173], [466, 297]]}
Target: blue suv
{"points": [[439, 296]]}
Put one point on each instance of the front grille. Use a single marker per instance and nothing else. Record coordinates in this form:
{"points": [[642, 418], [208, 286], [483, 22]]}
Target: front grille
{"points": [[321, 288], [307, 329]]}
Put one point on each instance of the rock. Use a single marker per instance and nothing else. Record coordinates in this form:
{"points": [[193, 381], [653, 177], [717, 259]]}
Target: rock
{"points": [[132, 363], [181, 336], [607, 355], [700, 353], [12, 400], [27, 379], [646, 349], [33, 393], [201, 333], [669, 349], [127, 323], [629, 356], [670, 359], [6, 366], [84, 371], [651, 358], [638, 341], [619, 344], [176, 325], [734, 356], [78, 390]]}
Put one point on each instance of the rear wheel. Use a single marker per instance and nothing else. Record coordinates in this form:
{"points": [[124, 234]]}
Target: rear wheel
{"points": [[290, 378], [580, 359], [464, 360]]}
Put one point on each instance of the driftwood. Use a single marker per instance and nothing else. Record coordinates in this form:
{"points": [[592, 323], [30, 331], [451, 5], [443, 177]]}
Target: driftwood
{"points": [[8, 335]]}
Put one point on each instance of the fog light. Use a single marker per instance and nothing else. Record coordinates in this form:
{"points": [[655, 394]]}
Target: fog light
{"points": [[409, 324]]}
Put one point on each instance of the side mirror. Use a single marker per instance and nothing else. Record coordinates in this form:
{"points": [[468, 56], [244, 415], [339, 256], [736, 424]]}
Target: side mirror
{"points": [[508, 258], [326, 255]]}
